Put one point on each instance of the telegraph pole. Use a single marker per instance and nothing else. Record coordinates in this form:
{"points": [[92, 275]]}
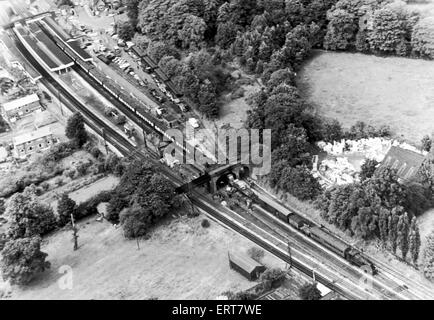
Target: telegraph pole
{"points": [[290, 255], [60, 101], [74, 233], [105, 142]]}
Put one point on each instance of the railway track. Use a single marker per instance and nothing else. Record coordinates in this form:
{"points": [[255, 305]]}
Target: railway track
{"points": [[128, 150], [387, 276]]}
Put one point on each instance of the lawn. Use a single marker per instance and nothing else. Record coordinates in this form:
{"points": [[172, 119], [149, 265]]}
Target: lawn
{"points": [[181, 260], [392, 91]]}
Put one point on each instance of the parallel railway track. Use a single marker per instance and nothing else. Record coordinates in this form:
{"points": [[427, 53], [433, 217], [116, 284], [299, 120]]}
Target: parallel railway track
{"points": [[128, 150]]}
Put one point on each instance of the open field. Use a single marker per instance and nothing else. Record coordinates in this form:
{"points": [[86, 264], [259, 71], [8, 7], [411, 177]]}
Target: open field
{"points": [[392, 91], [181, 260]]}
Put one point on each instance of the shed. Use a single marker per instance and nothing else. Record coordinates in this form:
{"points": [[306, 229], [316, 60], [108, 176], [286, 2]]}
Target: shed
{"points": [[246, 266]]}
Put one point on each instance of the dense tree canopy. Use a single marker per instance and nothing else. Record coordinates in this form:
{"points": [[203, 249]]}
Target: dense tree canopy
{"points": [[22, 260], [28, 217], [75, 129]]}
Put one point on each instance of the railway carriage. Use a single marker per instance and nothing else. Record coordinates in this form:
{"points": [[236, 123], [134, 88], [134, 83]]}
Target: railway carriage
{"points": [[334, 244]]}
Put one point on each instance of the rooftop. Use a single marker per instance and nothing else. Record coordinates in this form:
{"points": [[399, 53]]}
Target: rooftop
{"points": [[15, 104], [244, 262], [405, 162], [30, 136]]}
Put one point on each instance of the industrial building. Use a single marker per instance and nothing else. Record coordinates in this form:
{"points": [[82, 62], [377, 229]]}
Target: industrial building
{"points": [[246, 266], [19, 108]]}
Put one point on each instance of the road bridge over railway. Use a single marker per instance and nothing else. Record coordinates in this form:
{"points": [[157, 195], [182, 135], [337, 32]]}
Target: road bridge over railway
{"points": [[217, 177]]}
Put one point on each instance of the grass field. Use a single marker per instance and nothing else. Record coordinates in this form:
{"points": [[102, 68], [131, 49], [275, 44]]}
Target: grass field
{"points": [[398, 92], [181, 260]]}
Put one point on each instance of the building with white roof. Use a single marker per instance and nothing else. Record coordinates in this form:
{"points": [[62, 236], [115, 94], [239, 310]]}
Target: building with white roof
{"points": [[21, 107], [32, 142]]}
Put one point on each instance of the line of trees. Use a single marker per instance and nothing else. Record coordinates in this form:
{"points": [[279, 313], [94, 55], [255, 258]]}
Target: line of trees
{"points": [[376, 208], [386, 27]]}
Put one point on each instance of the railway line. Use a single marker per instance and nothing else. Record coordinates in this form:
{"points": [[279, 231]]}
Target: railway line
{"points": [[386, 277], [128, 150], [258, 228]]}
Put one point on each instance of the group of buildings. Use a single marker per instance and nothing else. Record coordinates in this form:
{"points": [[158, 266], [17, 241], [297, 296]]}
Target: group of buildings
{"points": [[342, 163], [29, 142]]}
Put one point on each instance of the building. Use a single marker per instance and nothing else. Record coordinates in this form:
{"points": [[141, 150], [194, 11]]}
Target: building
{"points": [[35, 141], [21, 107], [407, 163], [246, 266], [42, 48]]}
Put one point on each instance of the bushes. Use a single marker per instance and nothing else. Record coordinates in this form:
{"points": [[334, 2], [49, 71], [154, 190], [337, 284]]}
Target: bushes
{"points": [[309, 292], [89, 207], [65, 208], [361, 130], [205, 223], [58, 152]]}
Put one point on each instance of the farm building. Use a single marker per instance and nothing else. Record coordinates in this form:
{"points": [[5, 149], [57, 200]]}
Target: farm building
{"points": [[21, 107], [29, 143], [406, 162], [246, 266]]}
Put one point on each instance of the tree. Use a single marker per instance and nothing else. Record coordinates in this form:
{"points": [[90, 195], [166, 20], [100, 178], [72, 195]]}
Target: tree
{"points": [[393, 230], [298, 45], [387, 32], [207, 98], [383, 224], [75, 129], [428, 257], [309, 292], [341, 30], [422, 40], [272, 278], [226, 34], [414, 240], [125, 30], [135, 221], [403, 234], [28, 217], [159, 49], [281, 76], [170, 66], [65, 208], [2, 206], [368, 169], [300, 183], [192, 33], [426, 143], [332, 130], [133, 10], [22, 260]]}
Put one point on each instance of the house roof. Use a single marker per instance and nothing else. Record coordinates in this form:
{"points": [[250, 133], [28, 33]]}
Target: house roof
{"points": [[30, 136], [15, 104], [406, 162], [244, 262]]}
